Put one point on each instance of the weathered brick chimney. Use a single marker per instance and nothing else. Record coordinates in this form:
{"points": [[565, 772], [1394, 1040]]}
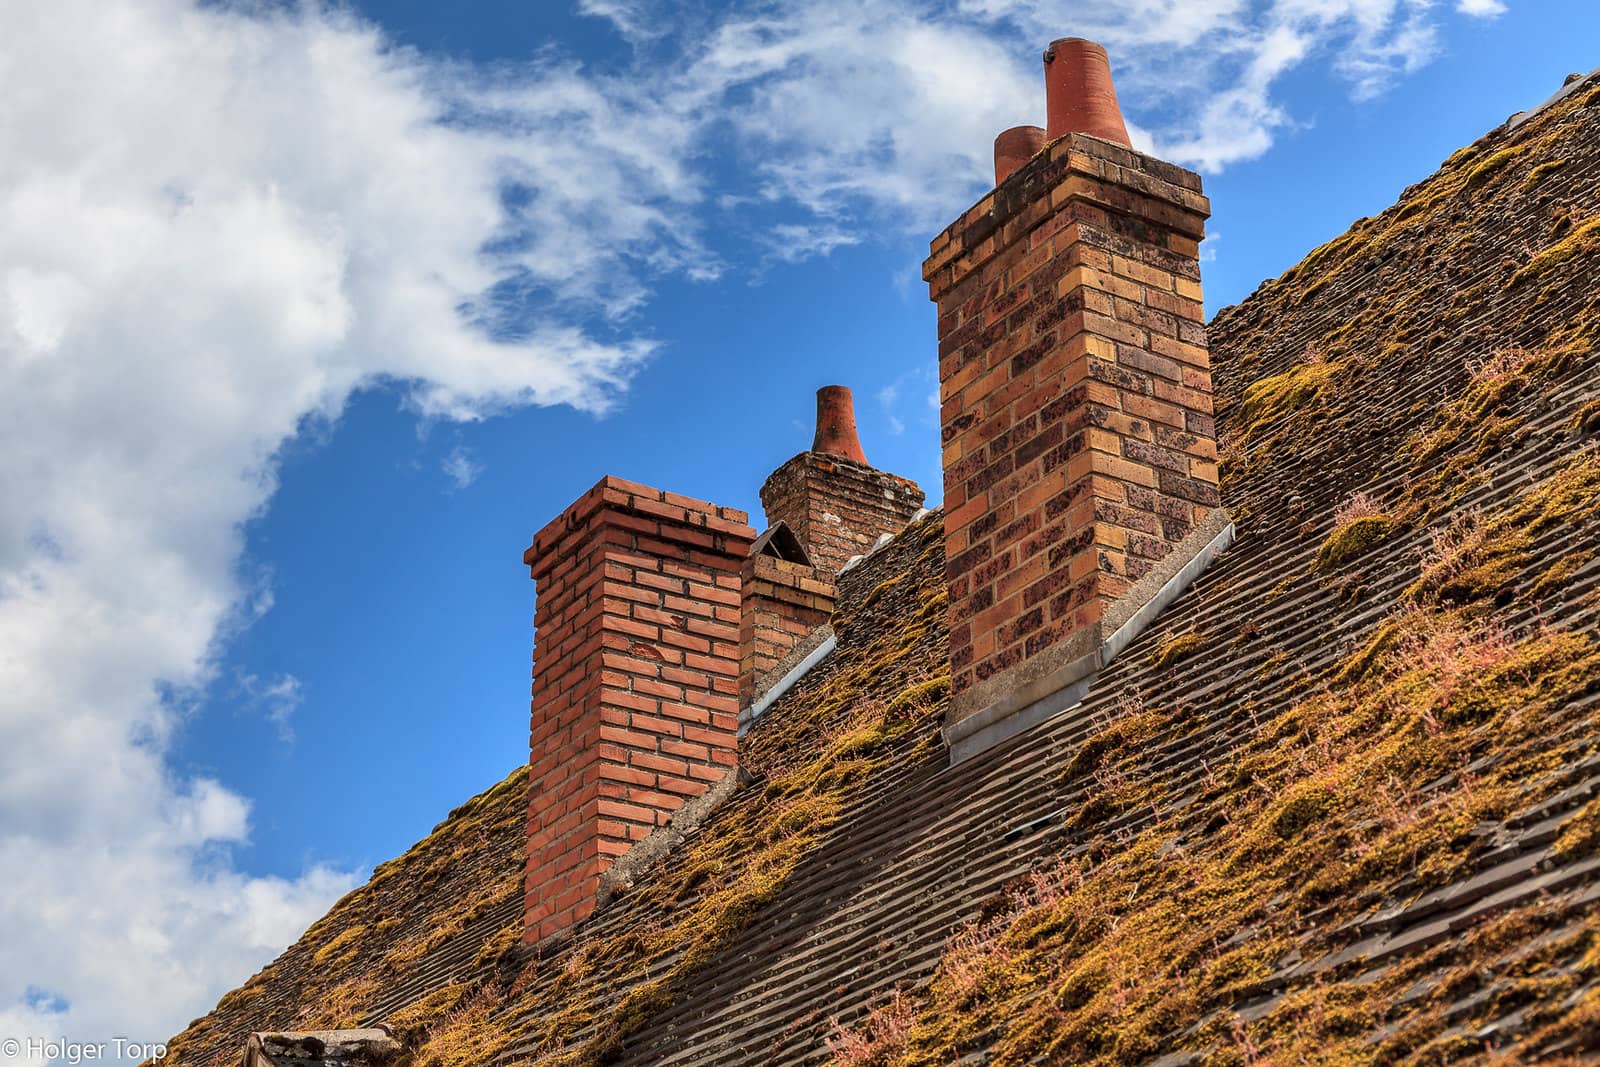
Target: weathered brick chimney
{"points": [[1079, 451], [836, 503], [785, 601], [635, 681]]}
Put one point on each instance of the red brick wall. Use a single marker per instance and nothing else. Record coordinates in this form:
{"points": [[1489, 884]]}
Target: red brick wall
{"points": [[635, 681], [836, 507], [784, 602], [1078, 440]]}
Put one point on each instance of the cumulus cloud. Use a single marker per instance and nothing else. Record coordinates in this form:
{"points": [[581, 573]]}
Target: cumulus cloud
{"points": [[217, 223], [214, 227], [1484, 9]]}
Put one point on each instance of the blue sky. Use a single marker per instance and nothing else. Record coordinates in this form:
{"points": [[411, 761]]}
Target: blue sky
{"points": [[311, 317]]}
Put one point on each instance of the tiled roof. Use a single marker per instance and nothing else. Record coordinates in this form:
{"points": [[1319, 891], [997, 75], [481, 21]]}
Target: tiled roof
{"points": [[1338, 802]]}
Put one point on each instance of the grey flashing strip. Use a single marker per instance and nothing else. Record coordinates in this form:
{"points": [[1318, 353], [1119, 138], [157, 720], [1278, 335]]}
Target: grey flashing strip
{"points": [[749, 715], [1007, 718]]}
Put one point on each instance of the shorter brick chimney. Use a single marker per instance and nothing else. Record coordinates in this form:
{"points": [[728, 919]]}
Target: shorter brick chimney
{"points": [[836, 503], [1079, 452], [786, 600], [635, 681]]}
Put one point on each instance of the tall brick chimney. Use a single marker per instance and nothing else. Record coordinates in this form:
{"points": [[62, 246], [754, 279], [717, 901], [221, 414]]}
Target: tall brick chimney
{"points": [[1079, 451], [836, 503], [635, 681]]}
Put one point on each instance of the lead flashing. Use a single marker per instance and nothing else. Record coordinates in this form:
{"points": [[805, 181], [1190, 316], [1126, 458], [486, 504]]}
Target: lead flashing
{"points": [[1043, 698], [819, 652]]}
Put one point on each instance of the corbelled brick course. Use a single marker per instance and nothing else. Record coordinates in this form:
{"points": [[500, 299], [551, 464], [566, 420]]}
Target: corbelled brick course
{"points": [[635, 691], [1079, 449], [837, 507]]}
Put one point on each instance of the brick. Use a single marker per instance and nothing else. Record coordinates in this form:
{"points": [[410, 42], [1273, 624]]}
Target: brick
{"points": [[620, 577], [659, 764], [1077, 432]]}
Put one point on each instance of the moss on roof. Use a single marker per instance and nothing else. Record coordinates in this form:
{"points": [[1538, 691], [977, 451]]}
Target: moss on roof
{"points": [[869, 704], [1355, 822]]}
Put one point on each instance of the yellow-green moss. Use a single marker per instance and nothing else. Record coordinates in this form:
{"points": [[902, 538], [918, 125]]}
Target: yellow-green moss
{"points": [[1583, 239], [1479, 559], [879, 590], [341, 1006], [411, 1023], [1353, 538], [1483, 170], [1124, 953], [1553, 579], [1580, 838], [468, 1035], [1176, 648], [1270, 398], [1448, 457], [1124, 735], [339, 943], [813, 752], [1334, 252], [1541, 172], [1301, 807], [1587, 418], [1385, 638], [919, 695]]}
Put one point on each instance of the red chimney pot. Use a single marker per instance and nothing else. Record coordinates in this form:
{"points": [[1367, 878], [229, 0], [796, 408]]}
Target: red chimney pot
{"points": [[836, 424], [1079, 95], [1013, 148]]}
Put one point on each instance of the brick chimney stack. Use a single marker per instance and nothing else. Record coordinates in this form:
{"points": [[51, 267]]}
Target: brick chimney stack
{"points": [[1079, 451], [635, 681], [834, 501]]}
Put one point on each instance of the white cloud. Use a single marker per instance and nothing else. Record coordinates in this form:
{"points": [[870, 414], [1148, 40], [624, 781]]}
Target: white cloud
{"points": [[214, 226], [1483, 9], [460, 467], [895, 103], [632, 18], [899, 398], [217, 223], [851, 104], [276, 699], [793, 242]]}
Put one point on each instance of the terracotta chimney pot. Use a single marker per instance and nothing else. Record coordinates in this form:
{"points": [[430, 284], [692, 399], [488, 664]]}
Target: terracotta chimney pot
{"points": [[1013, 148], [1079, 95], [836, 424]]}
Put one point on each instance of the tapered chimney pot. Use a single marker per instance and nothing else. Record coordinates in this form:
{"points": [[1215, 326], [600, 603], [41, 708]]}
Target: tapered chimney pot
{"points": [[836, 424], [1079, 95], [1013, 148]]}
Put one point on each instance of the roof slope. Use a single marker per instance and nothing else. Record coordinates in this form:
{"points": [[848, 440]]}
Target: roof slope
{"points": [[1339, 802]]}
